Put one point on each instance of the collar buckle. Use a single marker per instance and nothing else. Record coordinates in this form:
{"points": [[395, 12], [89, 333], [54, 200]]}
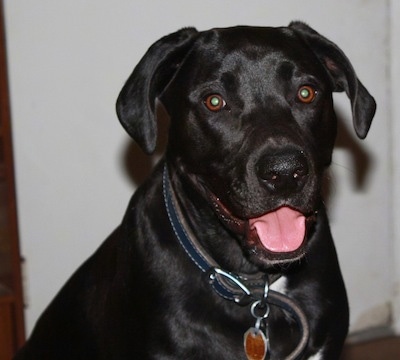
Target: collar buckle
{"points": [[241, 294]]}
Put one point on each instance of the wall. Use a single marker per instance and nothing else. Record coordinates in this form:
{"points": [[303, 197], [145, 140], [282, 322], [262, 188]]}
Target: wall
{"points": [[395, 127], [68, 61]]}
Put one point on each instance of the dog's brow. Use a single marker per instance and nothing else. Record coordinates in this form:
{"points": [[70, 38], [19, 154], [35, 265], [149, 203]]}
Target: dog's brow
{"points": [[285, 70]]}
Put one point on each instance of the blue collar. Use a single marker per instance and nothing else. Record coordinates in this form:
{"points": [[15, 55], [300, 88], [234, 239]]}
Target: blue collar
{"points": [[240, 288]]}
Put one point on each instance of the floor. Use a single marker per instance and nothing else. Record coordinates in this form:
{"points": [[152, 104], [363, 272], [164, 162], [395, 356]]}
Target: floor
{"points": [[382, 349]]}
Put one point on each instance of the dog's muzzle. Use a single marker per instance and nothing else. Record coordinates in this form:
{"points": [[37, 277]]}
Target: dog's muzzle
{"points": [[279, 235]]}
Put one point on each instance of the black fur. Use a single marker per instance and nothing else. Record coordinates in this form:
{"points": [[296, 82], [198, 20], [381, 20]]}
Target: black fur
{"points": [[140, 296]]}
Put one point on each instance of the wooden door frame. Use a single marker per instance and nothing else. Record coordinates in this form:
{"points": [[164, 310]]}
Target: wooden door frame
{"points": [[9, 176]]}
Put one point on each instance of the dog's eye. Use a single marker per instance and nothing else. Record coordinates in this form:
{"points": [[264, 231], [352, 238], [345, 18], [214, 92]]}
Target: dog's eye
{"points": [[306, 94], [214, 102]]}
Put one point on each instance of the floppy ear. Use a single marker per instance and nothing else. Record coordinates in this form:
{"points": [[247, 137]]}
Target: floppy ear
{"points": [[344, 78], [136, 101]]}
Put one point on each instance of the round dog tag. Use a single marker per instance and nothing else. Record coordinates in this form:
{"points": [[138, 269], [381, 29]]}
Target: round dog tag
{"points": [[255, 344]]}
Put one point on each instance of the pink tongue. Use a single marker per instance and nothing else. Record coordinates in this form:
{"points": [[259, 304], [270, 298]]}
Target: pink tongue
{"points": [[282, 230]]}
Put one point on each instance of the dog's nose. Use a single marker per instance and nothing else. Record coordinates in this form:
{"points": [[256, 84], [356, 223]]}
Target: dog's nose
{"points": [[283, 172]]}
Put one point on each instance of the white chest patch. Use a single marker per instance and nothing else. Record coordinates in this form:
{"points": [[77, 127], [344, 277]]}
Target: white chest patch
{"points": [[280, 285], [317, 356]]}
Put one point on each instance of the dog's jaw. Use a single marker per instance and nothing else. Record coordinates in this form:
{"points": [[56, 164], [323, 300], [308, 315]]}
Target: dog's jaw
{"points": [[261, 250], [261, 255]]}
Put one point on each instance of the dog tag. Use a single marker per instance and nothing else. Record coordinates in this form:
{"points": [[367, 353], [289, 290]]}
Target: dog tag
{"points": [[255, 344]]}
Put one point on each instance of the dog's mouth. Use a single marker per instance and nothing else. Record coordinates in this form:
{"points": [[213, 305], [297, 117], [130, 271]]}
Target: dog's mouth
{"points": [[278, 236], [280, 231]]}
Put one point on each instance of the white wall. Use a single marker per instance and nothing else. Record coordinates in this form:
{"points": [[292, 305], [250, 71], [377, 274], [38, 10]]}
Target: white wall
{"points": [[67, 63], [395, 126]]}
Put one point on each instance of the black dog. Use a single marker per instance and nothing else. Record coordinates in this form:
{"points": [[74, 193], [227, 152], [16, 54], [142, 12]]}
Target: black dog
{"points": [[234, 206]]}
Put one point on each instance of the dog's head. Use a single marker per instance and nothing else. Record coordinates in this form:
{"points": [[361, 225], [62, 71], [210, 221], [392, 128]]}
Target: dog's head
{"points": [[252, 123]]}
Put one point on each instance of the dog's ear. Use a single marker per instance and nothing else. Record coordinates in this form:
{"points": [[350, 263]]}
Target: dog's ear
{"points": [[136, 101], [343, 76]]}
